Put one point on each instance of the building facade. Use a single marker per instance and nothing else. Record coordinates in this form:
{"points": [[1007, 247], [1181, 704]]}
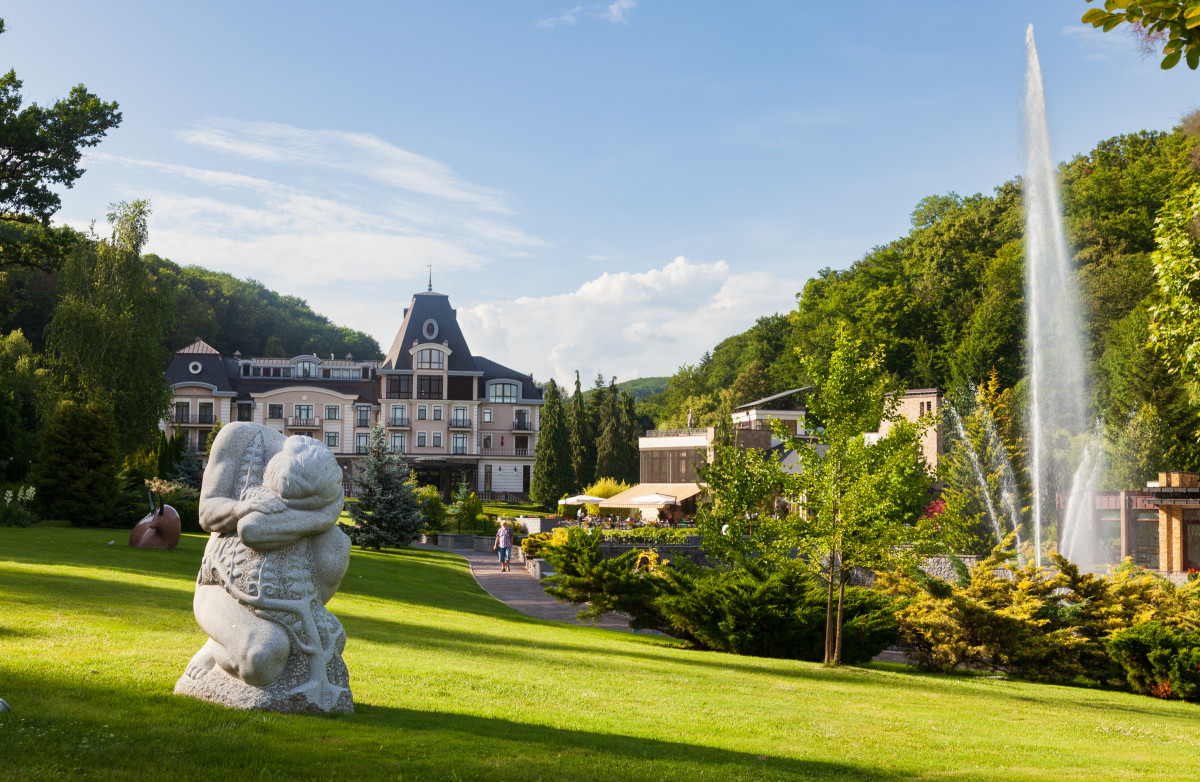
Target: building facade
{"points": [[456, 417]]}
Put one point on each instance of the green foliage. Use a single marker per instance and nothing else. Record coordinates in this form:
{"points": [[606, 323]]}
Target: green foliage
{"points": [[1159, 660], [16, 509], [605, 488], [743, 486], [583, 444], [433, 510], [76, 469], [212, 435], [388, 512], [186, 470], [1030, 622], [583, 576], [44, 146], [469, 513], [1175, 317], [553, 477], [648, 535], [105, 339], [20, 386], [534, 544], [1175, 24]]}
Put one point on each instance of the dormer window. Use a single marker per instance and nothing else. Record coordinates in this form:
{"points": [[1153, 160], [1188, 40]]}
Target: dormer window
{"points": [[502, 392], [306, 369], [429, 329], [430, 358]]}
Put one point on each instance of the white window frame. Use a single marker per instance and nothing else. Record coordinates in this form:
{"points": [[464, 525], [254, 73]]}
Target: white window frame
{"points": [[487, 415], [437, 439]]}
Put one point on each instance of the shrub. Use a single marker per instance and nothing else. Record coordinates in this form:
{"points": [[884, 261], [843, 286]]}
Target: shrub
{"points": [[15, 510], [648, 535], [535, 544], [1159, 660]]}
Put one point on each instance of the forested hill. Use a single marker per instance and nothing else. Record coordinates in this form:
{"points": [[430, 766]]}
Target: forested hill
{"points": [[946, 301], [228, 313]]}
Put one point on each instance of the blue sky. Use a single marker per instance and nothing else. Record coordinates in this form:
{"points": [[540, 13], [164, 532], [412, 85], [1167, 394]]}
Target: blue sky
{"points": [[611, 186]]}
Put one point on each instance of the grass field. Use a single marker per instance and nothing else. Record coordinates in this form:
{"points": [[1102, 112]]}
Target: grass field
{"points": [[451, 685]]}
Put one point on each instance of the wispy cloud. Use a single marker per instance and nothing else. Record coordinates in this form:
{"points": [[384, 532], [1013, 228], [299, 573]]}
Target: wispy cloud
{"points": [[1098, 45], [566, 17], [619, 11], [359, 154], [629, 324]]}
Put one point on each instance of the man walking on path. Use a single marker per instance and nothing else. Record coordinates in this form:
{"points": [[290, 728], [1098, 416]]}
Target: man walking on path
{"points": [[503, 544]]}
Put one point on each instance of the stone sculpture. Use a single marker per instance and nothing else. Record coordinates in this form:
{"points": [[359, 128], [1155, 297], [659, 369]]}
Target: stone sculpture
{"points": [[158, 529], [275, 558]]}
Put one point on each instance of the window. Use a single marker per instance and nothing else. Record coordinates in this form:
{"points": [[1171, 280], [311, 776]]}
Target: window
{"points": [[458, 443], [399, 387], [275, 372], [362, 416], [304, 411], [365, 373], [437, 412], [487, 477], [245, 370], [429, 387], [437, 439], [362, 443], [257, 372], [502, 392], [430, 358], [398, 444], [286, 371], [305, 369], [487, 441], [459, 417], [422, 412], [487, 415], [522, 420], [244, 413], [420, 439], [182, 412], [206, 413], [333, 412], [399, 415], [274, 411], [521, 444], [331, 439]]}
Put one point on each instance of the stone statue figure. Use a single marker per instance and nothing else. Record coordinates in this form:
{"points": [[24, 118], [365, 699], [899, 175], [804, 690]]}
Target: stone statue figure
{"points": [[275, 558]]}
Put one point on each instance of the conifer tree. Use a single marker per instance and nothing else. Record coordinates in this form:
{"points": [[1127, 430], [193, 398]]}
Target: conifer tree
{"points": [[552, 473], [583, 455], [609, 460], [77, 468], [629, 456], [387, 512]]}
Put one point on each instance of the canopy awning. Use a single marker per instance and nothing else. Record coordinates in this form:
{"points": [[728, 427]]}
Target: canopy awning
{"points": [[678, 491]]}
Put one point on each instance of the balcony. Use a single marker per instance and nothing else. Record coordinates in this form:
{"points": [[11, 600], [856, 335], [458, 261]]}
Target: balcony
{"points": [[203, 419], [460, 423], [303, 423], [506, 452], [458, 450], [522, 426], [399, 422]]}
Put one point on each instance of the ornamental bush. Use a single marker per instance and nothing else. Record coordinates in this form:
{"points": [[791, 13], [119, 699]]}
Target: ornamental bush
{"points": [[1159, 660], [15, 508]]}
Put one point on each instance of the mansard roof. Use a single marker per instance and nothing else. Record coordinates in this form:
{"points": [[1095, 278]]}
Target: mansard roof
{"points": [[212, 369], [495, 371], [426, 307]]}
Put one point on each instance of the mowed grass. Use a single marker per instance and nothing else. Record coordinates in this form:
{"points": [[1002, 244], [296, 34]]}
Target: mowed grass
{"points": [[451, 685]]}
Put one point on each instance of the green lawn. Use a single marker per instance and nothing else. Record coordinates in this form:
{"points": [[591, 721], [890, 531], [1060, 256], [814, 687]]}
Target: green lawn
{"points": [[450, 684]]}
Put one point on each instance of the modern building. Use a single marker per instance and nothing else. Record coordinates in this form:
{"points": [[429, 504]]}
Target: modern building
{"points": [[457, 417]]}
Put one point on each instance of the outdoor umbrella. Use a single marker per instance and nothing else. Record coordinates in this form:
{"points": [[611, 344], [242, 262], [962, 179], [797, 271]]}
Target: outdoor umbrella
{"points": [[581, 499], [653, 499]]}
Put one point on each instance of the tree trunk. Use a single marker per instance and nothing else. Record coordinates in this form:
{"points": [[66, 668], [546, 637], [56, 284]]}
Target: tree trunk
{"points": [[829, 628], [837, 652]]}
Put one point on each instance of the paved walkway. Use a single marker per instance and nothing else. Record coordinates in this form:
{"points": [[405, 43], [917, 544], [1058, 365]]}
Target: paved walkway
{"points": [[517, 589]]}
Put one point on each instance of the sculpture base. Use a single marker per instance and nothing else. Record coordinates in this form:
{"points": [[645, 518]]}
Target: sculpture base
{"points": [[292, 693]]}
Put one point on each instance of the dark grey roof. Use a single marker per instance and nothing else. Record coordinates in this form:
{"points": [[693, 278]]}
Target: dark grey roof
{"points": [[365, 390], [494, 371], [424, 307], [213, 370], [773, 397]]}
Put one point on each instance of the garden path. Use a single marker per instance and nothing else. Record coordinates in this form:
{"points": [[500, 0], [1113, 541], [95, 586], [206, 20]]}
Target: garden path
{"points": [[518, 589]]}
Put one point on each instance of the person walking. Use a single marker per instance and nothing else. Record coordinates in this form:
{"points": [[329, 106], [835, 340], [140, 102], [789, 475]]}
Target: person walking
{"points": [[503, 544]]}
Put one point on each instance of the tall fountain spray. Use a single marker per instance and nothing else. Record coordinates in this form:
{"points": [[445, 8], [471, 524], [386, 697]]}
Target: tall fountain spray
{"points": [[1058, 379]]}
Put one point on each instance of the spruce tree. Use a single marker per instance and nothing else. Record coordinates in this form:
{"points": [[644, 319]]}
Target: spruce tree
{"points": [[630, 458], [77, 468], [610, 434], [387, 512], [552, 473], [583, 456]]}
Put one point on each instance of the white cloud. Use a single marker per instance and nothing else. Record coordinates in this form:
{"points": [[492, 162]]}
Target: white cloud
{"points": [[618, 12], [360, 154], [628, 324], [566, 17], [1098, 45]]}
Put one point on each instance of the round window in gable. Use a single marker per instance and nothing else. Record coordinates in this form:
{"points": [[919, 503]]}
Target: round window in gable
{"points": [[430, 329], [195, 367]]}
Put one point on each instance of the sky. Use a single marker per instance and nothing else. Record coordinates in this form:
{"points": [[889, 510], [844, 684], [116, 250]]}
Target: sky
{"points": [[607, 187]]}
